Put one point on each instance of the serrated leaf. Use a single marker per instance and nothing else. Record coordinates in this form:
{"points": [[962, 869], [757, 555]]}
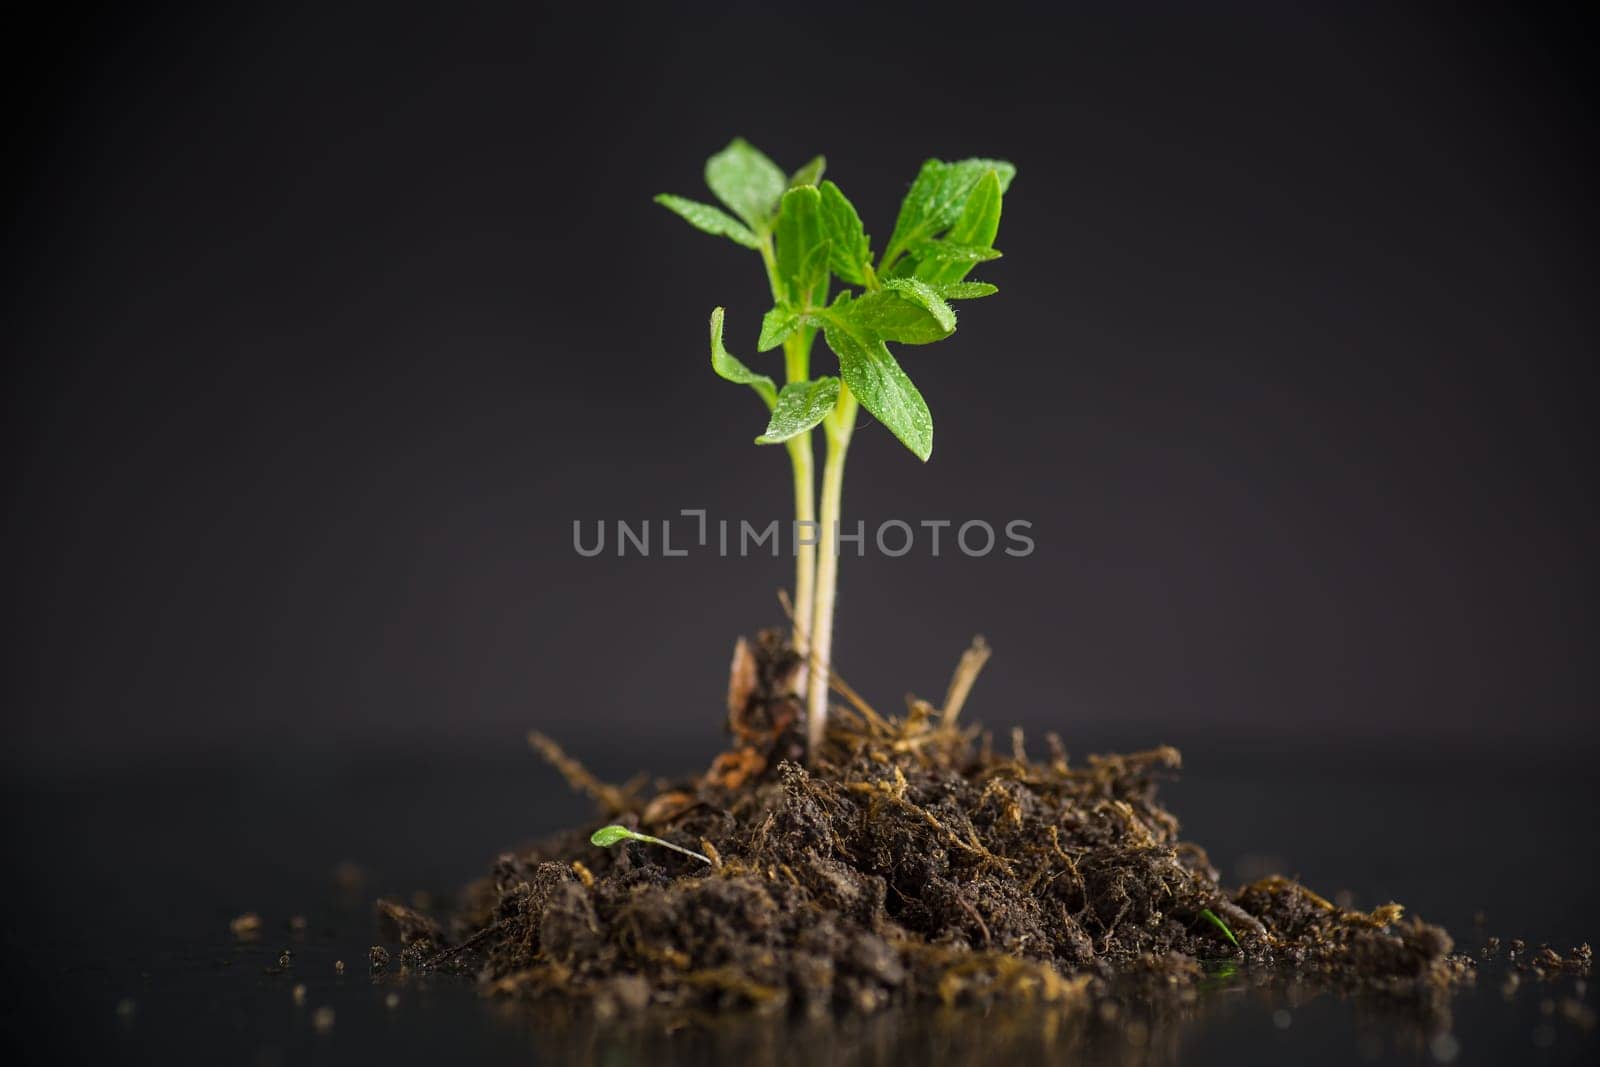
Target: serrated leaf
{"points": [[905, 309], [980, 216], [776, 326], [948, 252], [851, 257], [711, 220], [816, 269], [926, 297], [888, 317], [800, 406], [748, 182], [801, 266], [975, 228], [966, 290], [937, 199], [728, 366], [810, 174], [879, 383]]}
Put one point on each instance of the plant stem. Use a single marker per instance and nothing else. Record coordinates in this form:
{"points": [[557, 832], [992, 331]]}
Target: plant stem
{"points": [[838, 426], [797, 368], [801, 459]]}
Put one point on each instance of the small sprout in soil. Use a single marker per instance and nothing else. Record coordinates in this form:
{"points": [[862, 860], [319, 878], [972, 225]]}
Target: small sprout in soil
{"points": [[1211, 917], [808, 236], [607, 836]]}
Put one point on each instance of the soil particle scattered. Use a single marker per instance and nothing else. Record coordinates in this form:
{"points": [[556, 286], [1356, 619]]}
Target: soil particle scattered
{"points": [[911, 861]]}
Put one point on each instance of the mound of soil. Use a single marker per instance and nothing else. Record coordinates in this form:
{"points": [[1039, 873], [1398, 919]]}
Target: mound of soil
{"points": [[910, 860]]}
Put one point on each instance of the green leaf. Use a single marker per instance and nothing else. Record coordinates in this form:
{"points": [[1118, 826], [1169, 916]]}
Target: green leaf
{"points": [[802, 260], [607, 836], [937, 199], [747, 181], [728, 366], [879, 383], [810, 174], [947, 252], [1211, 917], [711, 220], [975, 228], [906, 309], [926, 297], [800, 406], [851, 256], [980, 216], [966, 290], [776, 326]]}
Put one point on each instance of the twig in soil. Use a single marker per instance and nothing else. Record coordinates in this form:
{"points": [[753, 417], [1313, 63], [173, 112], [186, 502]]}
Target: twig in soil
{"points": [[607, 836], [835, 682], [967, 907], [967, 670], [471, 942], [612, 800]]}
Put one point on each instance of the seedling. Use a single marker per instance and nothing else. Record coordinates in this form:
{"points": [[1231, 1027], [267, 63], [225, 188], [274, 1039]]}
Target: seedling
{"points": [[808, 234], [1211, 917], [607, 836]]}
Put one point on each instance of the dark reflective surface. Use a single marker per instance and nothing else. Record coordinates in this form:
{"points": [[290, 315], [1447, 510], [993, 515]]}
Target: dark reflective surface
{"points": [[118, 945]]}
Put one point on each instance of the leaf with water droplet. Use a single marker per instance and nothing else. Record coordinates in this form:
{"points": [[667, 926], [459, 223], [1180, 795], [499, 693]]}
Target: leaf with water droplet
{"points": [[776, 325], [709, 219], [976, 228], [851, 253], [906, 310], [966, 290], [800, 406], [802, 254], [879, 383], [747, 181], [937, 199]]}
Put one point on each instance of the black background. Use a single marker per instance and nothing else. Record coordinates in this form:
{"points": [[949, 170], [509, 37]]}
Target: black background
{"points": [[328, 320], [325, 323]]}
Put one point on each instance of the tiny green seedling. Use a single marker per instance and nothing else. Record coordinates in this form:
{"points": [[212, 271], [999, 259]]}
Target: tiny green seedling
{"points": [[607, 836], [808, 234], [1211, 917]]}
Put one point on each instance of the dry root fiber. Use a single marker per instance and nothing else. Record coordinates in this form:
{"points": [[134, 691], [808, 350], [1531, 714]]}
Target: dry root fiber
{"points": [[911, 861]]}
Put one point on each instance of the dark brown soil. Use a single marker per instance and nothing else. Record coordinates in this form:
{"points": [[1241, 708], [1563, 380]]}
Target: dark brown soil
{"points": [[911, 861]]}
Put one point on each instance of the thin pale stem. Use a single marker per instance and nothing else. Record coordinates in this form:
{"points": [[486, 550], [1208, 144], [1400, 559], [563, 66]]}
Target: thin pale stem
{"points": [[806, 538], [838, 426], [797, 368], [801, 458]]}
